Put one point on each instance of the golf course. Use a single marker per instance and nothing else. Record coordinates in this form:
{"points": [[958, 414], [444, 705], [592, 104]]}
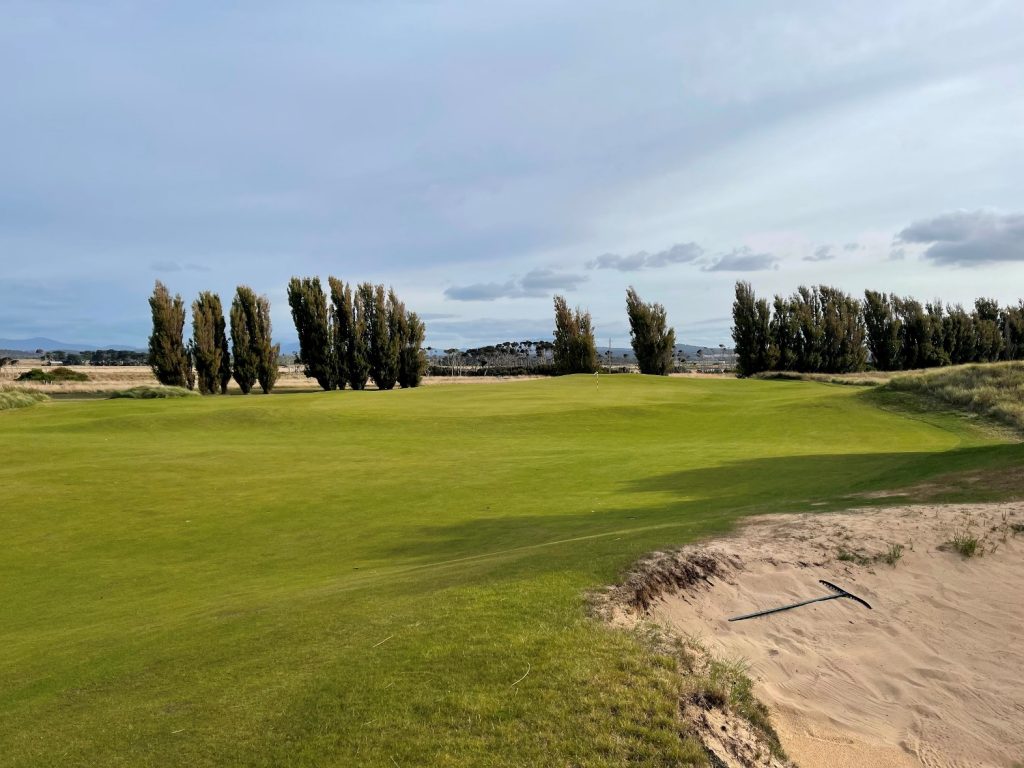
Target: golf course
{"points": [[401, 578]]}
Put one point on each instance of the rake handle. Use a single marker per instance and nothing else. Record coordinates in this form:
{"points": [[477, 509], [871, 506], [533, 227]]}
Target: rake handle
{"points": [[785, 607]]}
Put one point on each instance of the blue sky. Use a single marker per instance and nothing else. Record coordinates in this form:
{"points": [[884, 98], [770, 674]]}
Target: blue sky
{"points": [[482, 156]]}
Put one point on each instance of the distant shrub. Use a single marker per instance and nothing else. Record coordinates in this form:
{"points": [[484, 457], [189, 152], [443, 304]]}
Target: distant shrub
{"points": [[151, 392], [51, 375], [19, 398]]}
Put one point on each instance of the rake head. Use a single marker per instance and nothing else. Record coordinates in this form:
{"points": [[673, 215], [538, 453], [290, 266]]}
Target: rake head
{"points": [[843, 593]]}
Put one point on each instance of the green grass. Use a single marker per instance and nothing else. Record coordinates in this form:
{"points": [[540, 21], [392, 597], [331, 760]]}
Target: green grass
{"points": [[19, 398], [344, 578]]}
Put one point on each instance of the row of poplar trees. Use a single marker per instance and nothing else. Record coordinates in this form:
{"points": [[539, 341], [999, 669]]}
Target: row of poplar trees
{"points": [[824, 330], [654, 342], [207, 359], [360, 333]]}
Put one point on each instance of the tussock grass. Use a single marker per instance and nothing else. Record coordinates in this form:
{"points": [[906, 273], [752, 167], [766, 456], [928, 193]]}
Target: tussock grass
{"points": [[993, 390], [19, 398], [891, 556], [152, 392]]}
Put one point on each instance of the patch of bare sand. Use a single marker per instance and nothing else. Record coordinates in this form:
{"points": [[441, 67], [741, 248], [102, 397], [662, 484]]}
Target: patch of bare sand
{"points": [[933, 676]]}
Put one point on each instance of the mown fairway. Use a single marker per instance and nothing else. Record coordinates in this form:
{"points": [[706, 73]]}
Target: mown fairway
{"points": [[359, 578]]}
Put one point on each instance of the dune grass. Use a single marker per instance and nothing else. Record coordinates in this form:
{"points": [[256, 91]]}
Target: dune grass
{"points": [[344, 578], [992, 390], [19, 398]]}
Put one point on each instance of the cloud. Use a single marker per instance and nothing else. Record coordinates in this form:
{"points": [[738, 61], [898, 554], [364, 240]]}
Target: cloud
{"points": [[822, 253], [534, 284], [897, 254], [742, 260], [965, 238], [680, 253], [852, 247]]}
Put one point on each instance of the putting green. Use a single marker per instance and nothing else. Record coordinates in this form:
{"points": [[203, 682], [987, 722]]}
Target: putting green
{"points": [[364, 578]]}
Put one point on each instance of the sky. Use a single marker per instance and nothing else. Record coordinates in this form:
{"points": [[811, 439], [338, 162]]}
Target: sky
{"points": [[481, 157]]}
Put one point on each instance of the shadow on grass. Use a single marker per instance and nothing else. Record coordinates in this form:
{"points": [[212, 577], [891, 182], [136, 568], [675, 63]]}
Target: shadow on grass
{"points": [[674, 507]]}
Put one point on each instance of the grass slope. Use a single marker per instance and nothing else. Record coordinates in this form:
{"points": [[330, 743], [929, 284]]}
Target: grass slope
{"points": [[362, 578], [993, 390]]}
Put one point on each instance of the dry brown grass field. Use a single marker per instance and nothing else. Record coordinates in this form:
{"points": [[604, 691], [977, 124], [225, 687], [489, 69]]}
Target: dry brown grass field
{"points": [[104, 379]]}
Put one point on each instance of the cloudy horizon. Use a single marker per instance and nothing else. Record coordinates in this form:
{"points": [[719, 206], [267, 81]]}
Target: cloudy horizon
{"points": [[481, 158]]}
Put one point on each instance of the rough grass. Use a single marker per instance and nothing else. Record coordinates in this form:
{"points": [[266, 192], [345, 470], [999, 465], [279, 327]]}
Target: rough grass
{"points": [[152, 392], [364, 578], [862, 379], [993, 390], [19, 398]]}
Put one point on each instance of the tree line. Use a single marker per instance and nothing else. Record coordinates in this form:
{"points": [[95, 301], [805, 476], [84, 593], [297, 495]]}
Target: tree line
{"points": [[207, 359], [824, 330], [360, 333]]}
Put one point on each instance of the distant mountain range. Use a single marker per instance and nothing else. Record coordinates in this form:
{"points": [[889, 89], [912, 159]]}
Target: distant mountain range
{"points": [[28, 347]]}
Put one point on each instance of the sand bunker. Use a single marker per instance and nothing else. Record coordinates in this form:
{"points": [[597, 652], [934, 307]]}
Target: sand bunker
{"points": [[933, 676]]}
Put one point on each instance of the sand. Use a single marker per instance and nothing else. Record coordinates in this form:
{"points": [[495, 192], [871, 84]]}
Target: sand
{"points": [[932, 676]]}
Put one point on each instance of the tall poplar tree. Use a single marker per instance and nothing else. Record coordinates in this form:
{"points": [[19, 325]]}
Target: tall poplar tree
{"points": [[341, 329], [359, 336], [309, 311], [750, 330], [207, 347], [883, 331], [654, 343], [383, 344], [168, 356], [412, 362], [574, 350], [243, 349]]}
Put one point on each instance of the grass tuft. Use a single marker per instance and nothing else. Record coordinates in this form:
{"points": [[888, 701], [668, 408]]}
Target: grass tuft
{"points": [[893, 555], [966, 543]]}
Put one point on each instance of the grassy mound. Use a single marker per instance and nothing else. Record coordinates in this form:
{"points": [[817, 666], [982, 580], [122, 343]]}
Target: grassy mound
{"points": [[53, 375], [993, 390], [152, 392], [19, 398], [338, 579]]}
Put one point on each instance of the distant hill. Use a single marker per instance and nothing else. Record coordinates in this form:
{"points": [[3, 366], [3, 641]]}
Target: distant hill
{"points": [[27, 347]]}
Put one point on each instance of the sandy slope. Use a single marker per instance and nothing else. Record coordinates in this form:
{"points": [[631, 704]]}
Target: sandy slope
{"points": [[933, 676]]}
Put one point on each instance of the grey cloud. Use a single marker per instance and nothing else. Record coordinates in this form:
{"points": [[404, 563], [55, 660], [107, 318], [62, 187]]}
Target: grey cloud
{"points": [[680, 253], [534, 284], [965, 238], [742, 260], [897, 254], [822, 253], [852, 247]]}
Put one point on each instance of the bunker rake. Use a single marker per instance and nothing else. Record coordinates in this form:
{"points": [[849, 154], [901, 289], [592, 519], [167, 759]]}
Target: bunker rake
{"points": [[838, 592]]}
